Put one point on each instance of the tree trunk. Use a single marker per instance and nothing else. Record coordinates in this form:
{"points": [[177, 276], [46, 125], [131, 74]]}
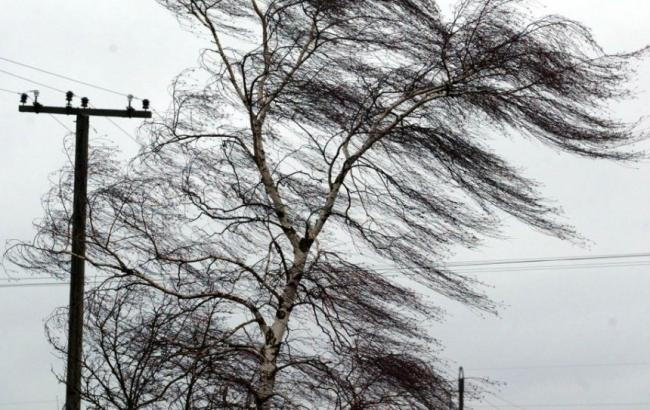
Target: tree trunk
{"points": [[267, 378], [276, 332]]}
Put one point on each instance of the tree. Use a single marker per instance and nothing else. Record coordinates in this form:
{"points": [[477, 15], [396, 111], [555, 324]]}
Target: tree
{"points": [[310, 178], [146, 350]]}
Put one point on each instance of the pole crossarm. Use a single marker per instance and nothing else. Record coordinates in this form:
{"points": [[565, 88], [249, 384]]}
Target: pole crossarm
{"points": [[89, 112]]}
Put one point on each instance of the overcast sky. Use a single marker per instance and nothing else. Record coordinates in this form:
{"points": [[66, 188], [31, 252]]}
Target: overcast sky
{"points": [[564, 336]]}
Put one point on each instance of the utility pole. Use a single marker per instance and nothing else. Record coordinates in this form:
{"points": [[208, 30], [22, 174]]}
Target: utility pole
{"points": [[77, 265], [461, 389]]}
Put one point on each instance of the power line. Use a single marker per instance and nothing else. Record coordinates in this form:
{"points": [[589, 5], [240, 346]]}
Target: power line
{"points": [[32, 81], [123, 130], [515, 269], [10, 91], [490, 404], [18, 279], [20, 403], [534, 261], [61, 123], [26, 285], [31, 67], [120, 128], [10, 285], [388, 269], [553, 267], [549, 259], [508, 402], [560, 366], [45, 284], [493, 262], [569, 405], [10, 279]]}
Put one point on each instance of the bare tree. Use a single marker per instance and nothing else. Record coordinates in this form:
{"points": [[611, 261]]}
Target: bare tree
{"points": [[313, 173], [123, 364]]}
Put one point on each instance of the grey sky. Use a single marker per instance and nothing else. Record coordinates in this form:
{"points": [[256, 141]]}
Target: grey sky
{"points": [[550, 318]]}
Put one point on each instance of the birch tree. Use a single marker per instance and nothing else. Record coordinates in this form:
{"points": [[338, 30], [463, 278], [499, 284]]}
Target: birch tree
{"points": [[312, 174]]}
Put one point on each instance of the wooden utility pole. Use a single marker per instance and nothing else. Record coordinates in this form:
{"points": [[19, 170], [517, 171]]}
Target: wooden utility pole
{"points": [[77, 265], [461, 389]]}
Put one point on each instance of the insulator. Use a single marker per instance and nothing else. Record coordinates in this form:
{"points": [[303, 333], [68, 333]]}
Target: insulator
{"points": [[145, 104], [68, 96], [23, 98], [84, 102]]}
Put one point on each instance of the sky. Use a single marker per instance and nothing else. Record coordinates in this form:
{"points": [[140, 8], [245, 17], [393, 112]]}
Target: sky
{"points": [[564, 338]]}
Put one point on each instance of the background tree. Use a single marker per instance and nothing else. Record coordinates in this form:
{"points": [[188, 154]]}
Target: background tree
{"points": [[146, 350], [310, 178]]}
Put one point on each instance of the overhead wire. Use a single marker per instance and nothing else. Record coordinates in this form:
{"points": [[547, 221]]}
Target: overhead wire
{"points": [[547, 259], [489, 403], [125, 132], [391, 269], [10, 91], [27, 285], [65, 77], [570, 405], [122, 129], [21, 403], [32, 81], [553, 267], [474, 268], [508, 402], [10, 284], [558, 366], [61, 123], [18, 279]]}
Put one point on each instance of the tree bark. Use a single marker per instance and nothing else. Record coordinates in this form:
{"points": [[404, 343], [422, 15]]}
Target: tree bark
{"points": [[275, 334]]}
